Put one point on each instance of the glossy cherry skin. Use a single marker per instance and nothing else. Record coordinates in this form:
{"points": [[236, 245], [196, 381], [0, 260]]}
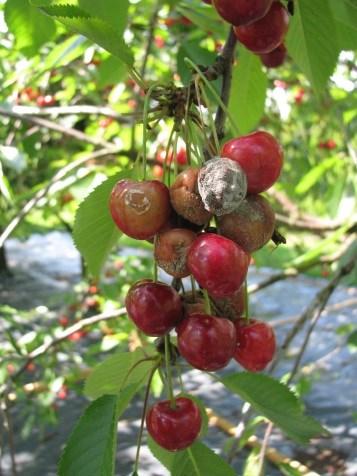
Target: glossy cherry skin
{"points": [[275, 58], [251, 226], [256, 344], [140, 209], [260, 156], [206, 342], [171, 248], [174, 428], [266, 34], [155, 308], [218, 264], [242, 12]]}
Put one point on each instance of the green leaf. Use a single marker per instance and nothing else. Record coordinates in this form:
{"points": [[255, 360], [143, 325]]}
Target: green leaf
{"points": [[315, 174], [248, 92], [252, 464], [207, 19], [198, 460], [110, 71], [76, 16], [30, 28], [276, 402], [94, 231], [65, 52], [312, 41], [345, 14], [90, 448], [352, 341], [117, 372]]}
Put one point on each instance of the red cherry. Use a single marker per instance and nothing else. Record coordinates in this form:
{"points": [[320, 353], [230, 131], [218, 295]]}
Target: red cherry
{"points": [[331, 144], [260, 156], [218, 264], [45, 101], [63, 321], [105, 122], [159, 41], [155, 308], [275, 58], [77, 335], [174, 428], [255, 344], [170, 21], [140, 209], [206, 342], [181, 156], [242, 12], [62, 393], [266, 34]]}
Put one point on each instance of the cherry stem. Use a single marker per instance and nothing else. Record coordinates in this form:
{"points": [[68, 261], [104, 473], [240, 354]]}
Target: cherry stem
{"points": [[208, 308], [212, 123], [145, 125], [167, 152], [140, 436], [170, 391], [246, 300], [155, 273], [193, 287], [194, 464]]}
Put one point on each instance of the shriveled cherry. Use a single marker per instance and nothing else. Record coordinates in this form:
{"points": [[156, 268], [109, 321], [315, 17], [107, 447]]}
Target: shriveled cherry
{"points": [[206, 342], [251, 226], [174, 428], [185, 197], [242, 12], [140, 209], [256, 344], [154, 307], [266, 34], [275, 58], [218, 264], [171, 248], [260, 156]]}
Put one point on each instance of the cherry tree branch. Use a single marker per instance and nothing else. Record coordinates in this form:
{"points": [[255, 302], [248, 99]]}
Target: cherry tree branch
{"points": [[67, 131]]}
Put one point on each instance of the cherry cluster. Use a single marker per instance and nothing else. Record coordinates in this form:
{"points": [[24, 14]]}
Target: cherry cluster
{"points": [[210, 329], [260, 25]]}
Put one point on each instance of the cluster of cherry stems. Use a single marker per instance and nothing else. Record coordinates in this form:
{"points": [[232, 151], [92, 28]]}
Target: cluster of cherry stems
{"points": [[225, 191]]}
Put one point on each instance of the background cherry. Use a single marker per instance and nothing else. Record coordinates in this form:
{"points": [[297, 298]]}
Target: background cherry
{"points": [[174, 428], [255, 344], [140, 209], [266, 34], [206, 342], [155, 308], [218, 264], [242, 12], [260, 156]]}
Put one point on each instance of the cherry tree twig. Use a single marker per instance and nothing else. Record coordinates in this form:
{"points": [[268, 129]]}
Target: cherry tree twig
{"points": [[67, 131]]}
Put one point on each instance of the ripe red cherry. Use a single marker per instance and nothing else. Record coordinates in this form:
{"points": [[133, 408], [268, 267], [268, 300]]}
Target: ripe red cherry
{"points": [[174, 428], [155, 308], [140, 209], [171, 250], [206, 342], [275, 58], [48, 100], [260, 156], [218, 264], [255, 344], [242, 12], [266, 34]]}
